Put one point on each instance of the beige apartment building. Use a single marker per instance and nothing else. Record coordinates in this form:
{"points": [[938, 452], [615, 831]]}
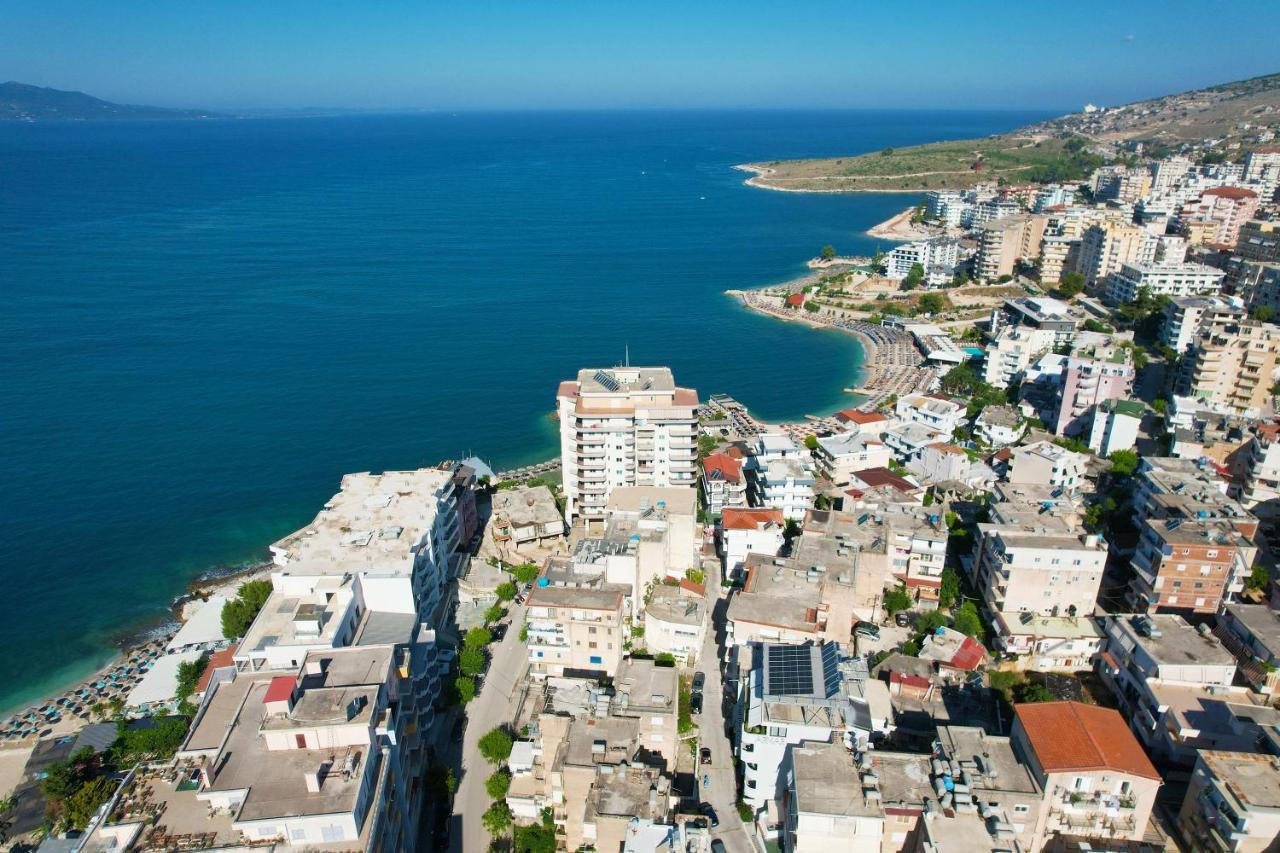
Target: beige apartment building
{"points": [[1235, 365], [574, 629], [1104, 247], [1005, 242], [1233, 802], [624, 426]]}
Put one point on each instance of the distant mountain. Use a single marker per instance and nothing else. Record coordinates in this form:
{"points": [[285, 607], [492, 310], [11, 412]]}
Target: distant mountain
{"points": [[22, 102]]}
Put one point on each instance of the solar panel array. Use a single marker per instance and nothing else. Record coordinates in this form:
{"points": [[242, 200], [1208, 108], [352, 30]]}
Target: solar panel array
{"points": [[606, 379], [790, 671], [830, 669]]}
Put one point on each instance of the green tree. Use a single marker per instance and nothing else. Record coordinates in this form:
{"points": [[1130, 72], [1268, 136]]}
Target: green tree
{"points": [[466, 688], [1259, 578], [1033, 692], [525, 572], [931, 303], [81, 806], [505, 591], [1264, 313], [477, 638], [915, 276], [494, 613], [950, 588], [1071, 284], [911, 648], [536, 838], [1124, 462], [897, 599], [930, 621], [159, 740], [238, 613], [811, 442], [828, 252], [496, 818], [968, 622], [471, 661], [495, 746], [497, 785], [189, 672]]}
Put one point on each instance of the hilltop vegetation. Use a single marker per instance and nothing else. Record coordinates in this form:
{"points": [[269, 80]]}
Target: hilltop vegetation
{"points": [[1060, 149], [23, 102]]}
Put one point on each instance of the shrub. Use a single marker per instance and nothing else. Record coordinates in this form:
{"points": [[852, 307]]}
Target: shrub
{"points": [[471, 661], [968, 622], [897, 599], [160, 740], [465, 686], [494, 613], [505, 591], [525, 572], [477, 638]]}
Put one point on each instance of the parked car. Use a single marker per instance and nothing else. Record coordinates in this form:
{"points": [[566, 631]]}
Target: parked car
{"points": [[704, 756], [710, 814], [869, 630], [901, 619], [695, 703], [717, 846], [699, 679]]}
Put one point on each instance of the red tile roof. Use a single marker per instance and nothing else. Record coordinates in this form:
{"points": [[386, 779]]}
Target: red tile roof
{"points": [[729, 469], [695, 588], [1070, 736], [944, 447], [872, 477], [968, 656], [860, 417], [280, 689], [749, 519], [1231, 192], [217, 660]]}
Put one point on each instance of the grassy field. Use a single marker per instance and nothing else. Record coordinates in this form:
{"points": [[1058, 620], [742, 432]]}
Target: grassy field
{"points": [[939, 165]]}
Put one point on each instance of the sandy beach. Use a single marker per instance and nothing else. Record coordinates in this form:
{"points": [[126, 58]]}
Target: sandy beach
{"points": [[760, 179], [900, 228], [66, 711]]}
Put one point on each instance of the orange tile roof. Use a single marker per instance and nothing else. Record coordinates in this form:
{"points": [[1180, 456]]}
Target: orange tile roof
{"points": [[729, 469], [749, 519], [944, 447], [686, 397], [860, 417], [1231, 192], [1071, 736], [217, 660]]}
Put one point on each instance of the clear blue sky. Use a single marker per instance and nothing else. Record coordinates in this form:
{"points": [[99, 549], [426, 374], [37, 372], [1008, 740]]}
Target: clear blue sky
{"points": [[458, 54]]}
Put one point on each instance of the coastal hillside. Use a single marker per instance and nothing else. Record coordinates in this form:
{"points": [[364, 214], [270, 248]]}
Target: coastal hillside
{"points": [[23, 102], [1046, 151]]}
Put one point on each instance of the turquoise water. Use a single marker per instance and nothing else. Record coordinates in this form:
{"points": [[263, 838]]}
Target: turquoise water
{"points": [[206, 324]]}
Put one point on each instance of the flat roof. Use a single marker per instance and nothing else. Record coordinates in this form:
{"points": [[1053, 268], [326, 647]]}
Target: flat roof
{"points": [[646, 685], [826, 782], [673, 604], [1252, 778], [640, 499], [972, 746], [1262, 622], [1178, 644], [526, 505]]}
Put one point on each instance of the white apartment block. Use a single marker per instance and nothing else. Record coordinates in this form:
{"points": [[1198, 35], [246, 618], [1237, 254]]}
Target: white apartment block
{"points": [[936, 413], [1045, 463], [758, 530], [1115, 426], [1105, 247], [838, 457], [1012, 351], [624, 426], [999, 426], [786, 485], [1187, 315], [939, 252], [1043, 569], [1233, 802], [1124, 284]]}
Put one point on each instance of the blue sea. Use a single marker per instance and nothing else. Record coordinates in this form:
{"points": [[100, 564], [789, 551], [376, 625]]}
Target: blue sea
{"points": [[205, 324]]}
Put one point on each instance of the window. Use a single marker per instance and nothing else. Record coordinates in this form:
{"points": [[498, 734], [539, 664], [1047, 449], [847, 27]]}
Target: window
{"points": [[298, 834], [300, 741], [592, 645]]}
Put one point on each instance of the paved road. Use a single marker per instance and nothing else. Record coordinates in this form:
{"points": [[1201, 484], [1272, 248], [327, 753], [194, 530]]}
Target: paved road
{"points": [[722, 793], [495, 706]]}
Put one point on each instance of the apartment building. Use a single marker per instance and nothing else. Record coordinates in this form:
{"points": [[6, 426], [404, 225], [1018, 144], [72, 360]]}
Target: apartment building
{"points": [[987, 796], [1232, 802], [1037, 312], [838, 457], [999, 426], [798, 693], [1097, 781], [859, 422], [1106, 246], [937, 413], [938, 255], [786, 485], [724, 483], [624, 426], [1043, 568], [396, 522], [757, 530], [1169, 488], [1256, 283], [574, 623], [1012, 351], [1185, 316], [1188, 565], [827, 803], [675, 621], [947, 206], [1115, 426], [1258, 464], [1229, 207], [1251, 632], [1122, 184], [1004, 243], [1092, 377], [1049, 643], [1235, 366], [1259, 241], [526, 516], [917, 547], [1161, 279], [311, 757], [1045, 463]]}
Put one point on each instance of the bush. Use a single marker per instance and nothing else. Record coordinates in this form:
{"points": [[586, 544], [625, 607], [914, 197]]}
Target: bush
{"points": [[664, 659], [494, 614], [684, 720], [968, 622], [505, 591], [238, 613], [465, 687], [159, 740], [1124, 462], [189, 673], [950, 589], [525, 572], [497, 785], [911, 648], [495, 746], [536, 838], [1031, 692]]}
